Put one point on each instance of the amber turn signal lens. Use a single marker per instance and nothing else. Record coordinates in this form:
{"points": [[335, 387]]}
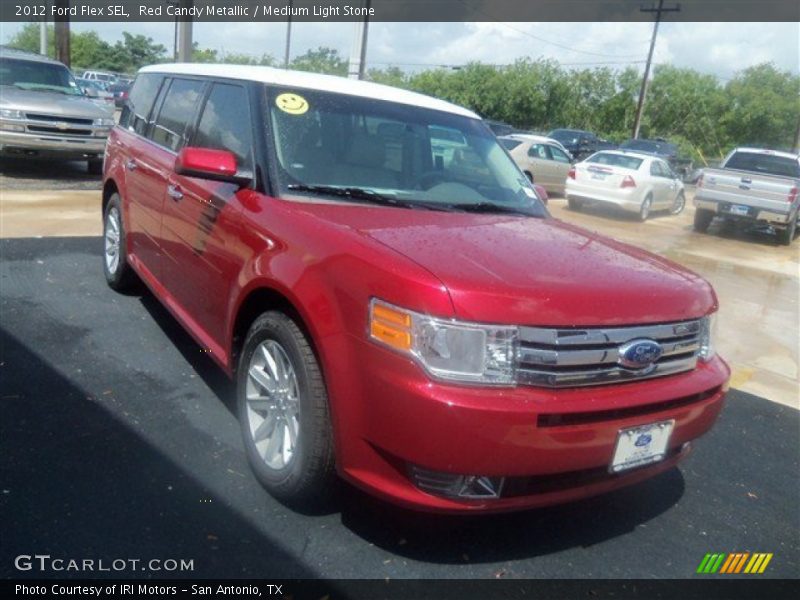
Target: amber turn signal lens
{"points": [[390, 326]]}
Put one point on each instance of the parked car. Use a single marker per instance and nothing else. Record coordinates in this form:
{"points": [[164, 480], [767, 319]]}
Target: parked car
{"points": [[634, 182], [500, 128], [752, 185], [426, 331], [102, 76], [43, 112], [97, 92], [120, 92], [541, 159], [663, 149], [580, 143]]}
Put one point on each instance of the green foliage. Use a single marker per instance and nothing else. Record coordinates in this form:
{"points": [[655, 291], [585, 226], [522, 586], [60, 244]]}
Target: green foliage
{"points": [[321, 60], [760, 106]]}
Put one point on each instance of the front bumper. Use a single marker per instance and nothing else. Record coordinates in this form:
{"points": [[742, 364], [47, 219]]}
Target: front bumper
{"points": [[51, 146], [552, 446], [754, 213]]}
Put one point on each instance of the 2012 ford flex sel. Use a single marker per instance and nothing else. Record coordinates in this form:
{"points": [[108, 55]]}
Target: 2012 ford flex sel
{"points": [[402, 313]]}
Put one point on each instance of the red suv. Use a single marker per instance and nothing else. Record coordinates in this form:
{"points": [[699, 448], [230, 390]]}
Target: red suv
{"points": [[404, 314]]}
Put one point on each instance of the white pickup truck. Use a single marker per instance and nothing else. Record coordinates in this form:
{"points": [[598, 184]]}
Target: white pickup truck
{"points": [[754, 185]]}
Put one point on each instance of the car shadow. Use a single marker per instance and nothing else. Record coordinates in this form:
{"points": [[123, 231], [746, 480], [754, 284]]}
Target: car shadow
{"points": [[449, 539], [80, 481], [36, 173], [743, 231]]}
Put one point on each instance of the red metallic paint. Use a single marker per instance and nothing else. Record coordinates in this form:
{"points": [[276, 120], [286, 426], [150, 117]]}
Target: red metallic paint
{"points": [[205, 255]]}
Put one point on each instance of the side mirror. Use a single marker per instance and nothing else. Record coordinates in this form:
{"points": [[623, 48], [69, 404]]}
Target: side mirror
{"points": [[207, 163]]}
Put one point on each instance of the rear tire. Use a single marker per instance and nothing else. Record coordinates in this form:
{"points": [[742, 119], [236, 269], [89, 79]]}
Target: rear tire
{"points": [[574, 203], [786, 236], [702, 219], [281, 392], [119, 274]]}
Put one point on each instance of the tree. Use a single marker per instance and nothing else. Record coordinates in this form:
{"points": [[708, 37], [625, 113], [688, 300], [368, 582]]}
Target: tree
{"points": [[321, 60], [27, 39]]}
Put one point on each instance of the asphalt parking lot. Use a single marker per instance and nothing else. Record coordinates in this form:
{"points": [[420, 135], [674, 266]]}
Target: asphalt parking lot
{"points": [[119, 440]]}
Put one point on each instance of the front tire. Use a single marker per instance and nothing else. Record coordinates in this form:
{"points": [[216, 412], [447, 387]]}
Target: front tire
{"points": [[786, 236], [119, 274], [702, 219], [94, 166], [574, 204], [644, 209], [283, 410], [678, 205]]}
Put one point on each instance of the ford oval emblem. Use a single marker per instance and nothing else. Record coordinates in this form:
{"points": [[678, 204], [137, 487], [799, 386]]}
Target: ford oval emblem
{"points": [[639, 354], [643, 440]]}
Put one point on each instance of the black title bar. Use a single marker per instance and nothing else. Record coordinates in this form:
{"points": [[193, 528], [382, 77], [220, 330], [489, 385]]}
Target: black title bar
{"points": [[395, 10]]}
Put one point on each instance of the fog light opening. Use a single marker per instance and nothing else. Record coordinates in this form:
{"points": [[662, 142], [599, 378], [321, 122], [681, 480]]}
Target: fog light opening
{"points": [[451, 485]]}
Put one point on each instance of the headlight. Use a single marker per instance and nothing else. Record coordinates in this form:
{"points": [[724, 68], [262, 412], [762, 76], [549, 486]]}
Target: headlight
{"points": [[7, 113], [708, 331], [104, 122], [447, 349]]}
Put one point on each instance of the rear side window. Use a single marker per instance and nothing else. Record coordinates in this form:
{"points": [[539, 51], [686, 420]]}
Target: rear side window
{"points": [[769, 164], [177, 110], [225, 124], [558, 155], [615, 160], [140, 102]]}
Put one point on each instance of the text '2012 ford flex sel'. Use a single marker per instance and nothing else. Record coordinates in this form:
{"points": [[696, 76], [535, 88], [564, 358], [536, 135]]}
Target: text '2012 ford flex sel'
{"points": [[402, 314]]}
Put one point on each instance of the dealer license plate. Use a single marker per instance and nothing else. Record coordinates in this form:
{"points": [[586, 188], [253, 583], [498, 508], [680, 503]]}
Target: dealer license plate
{"points": [[738, 209], [641, 445]]}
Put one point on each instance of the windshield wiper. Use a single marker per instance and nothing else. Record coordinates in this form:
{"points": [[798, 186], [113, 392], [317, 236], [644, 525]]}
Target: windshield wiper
{"points": [[490, 207], [42, 87], [363, 194]]}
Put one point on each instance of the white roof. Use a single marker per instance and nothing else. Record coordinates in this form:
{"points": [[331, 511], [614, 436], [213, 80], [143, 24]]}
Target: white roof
{"points": [[311, 81], [642, 155], [530, 137]]}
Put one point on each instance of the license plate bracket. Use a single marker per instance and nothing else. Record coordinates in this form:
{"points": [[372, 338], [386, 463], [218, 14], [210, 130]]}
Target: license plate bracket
{"points": [[641, 445], [739, 209]]}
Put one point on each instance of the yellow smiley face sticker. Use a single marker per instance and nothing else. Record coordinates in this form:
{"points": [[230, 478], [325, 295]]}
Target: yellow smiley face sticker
{"points": [[293, 104]]}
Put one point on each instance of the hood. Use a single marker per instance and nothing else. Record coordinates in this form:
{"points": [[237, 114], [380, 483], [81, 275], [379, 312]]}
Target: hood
{"points": [[50, 103], [528, 271]]}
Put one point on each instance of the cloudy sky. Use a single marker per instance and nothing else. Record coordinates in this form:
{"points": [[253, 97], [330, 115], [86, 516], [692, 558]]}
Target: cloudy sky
{"points": [[716, 48]]}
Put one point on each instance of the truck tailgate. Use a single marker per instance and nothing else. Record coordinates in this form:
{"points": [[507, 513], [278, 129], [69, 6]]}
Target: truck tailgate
{"points": [[747, 189]]}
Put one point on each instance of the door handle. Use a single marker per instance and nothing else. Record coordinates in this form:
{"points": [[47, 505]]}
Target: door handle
{"points": [[174, 192], [131, 165]]}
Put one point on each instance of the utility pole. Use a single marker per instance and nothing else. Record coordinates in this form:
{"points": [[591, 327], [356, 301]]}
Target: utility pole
{"points": [[62, 32], [288, 37], [43, 37], [185, 45], [358, 50], [643, 90]]}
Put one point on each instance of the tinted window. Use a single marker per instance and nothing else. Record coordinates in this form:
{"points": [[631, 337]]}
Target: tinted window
{"points": [[176, 111], [140, 102], [225, 124], [615, 160], [558, 155], [538, 151], [769, 164]]}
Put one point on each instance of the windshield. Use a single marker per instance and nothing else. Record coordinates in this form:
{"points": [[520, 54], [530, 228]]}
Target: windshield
{"points": [[565, 136], [37, 75], [412, 156], [649, 146], [769, 164]]}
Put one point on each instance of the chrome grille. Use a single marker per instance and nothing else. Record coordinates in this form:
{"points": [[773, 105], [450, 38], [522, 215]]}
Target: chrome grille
{"points": [[59, 118], [559, 358]]}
